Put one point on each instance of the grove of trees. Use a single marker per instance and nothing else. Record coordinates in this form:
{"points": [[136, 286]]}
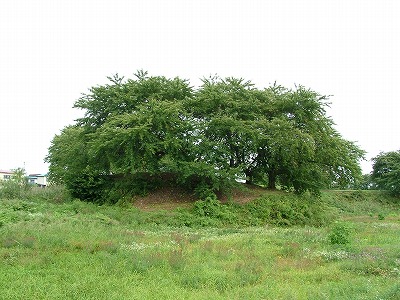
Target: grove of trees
{"points": [[386, 171], [150, 130]]}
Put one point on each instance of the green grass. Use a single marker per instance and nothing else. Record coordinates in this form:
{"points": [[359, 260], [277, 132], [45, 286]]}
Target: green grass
{"points": [[52, 248]]}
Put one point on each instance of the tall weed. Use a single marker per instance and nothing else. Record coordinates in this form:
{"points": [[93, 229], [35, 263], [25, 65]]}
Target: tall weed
{"points": [[340, 234], [287, 210], [11, 189]]}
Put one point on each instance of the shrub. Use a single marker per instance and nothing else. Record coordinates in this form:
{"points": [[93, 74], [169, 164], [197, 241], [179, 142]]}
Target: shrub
{"points": [[211, 207], [12, 189], [52, 193], [87, 186], [340, 234], [287, 210], [381, 216], [204, 191]]}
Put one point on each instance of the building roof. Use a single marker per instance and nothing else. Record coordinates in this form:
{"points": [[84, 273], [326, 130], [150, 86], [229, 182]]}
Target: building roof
{"points": [[6, 172], [37, 175]]}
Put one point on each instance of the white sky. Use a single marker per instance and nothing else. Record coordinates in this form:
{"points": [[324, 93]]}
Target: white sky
{"points": [[52, 51]]}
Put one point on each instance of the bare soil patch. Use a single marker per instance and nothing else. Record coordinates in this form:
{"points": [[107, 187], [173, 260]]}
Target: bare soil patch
{"points": [[169, 198], [164, 198]]}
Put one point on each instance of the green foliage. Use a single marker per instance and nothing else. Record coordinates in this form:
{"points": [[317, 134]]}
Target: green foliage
{"points": [[372, 203], [212, 208], [19, 177], [365, 183], [386, 171], [287, 210], [52, 193], [87, 185], [224, 131], [203, 192], [281, 210], [120, 188], [340, 234], [10, 189], [16, 186]]}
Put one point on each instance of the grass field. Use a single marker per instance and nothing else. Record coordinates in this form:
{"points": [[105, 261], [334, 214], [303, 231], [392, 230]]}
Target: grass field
{"points": [[52, 248]]}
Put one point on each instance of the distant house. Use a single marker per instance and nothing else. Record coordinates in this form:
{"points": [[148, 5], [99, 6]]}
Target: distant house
{"points": [[32, 178], [5, 175], [38, 179]]}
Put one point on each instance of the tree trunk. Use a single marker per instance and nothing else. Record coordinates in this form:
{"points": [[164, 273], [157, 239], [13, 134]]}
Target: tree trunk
{"points": [[272, 180], [249, 176]]}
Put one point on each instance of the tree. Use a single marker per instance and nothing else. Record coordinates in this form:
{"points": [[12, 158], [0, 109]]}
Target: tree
{"points": [[141, 129], [275, 136], [386, 171], [69, 164], [365, 183], [132, 127]]}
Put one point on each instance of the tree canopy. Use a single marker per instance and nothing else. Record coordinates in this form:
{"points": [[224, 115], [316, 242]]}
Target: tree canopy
{"points": [[153, 127], [386, 171]]}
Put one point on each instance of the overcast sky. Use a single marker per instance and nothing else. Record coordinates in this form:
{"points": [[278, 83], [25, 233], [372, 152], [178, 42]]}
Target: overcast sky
{"points": [[52, 51]]}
